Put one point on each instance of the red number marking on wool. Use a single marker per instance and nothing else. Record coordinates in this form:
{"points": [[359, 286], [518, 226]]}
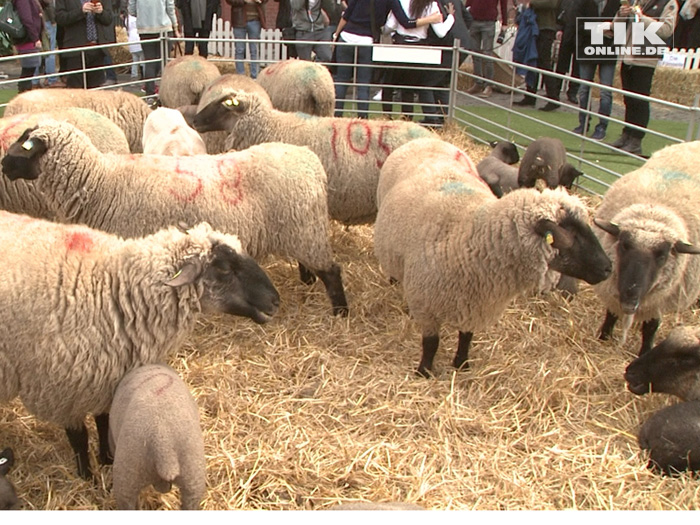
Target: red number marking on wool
{"points": [[154, 376], [362, 149], [9, 134], [230, 187], [462, 158], [383, 145], [186, 175], [334, 139], [79, 242]]}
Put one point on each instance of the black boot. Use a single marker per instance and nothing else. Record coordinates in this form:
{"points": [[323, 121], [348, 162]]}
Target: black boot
{"points": [[624, 138]]}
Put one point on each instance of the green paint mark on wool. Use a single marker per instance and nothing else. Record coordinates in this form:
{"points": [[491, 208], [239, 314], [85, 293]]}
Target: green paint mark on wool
{"points": [[670, 177], [308, 76], [456, 188]]}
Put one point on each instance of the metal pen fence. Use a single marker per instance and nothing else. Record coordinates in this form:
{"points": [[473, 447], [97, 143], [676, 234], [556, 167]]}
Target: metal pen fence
{"points": [[460, 106]]}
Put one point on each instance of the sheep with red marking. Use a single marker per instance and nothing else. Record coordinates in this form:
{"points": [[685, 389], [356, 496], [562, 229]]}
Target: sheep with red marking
{"points": [[352, 150], [82, 307], [272, 196], [156, 438]]}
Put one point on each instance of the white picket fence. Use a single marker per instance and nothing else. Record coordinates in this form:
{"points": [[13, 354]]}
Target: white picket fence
{"points": [[271, 49]]}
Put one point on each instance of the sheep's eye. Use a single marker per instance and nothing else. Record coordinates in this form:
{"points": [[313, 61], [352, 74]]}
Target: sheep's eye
{"points": [[660, 255]]}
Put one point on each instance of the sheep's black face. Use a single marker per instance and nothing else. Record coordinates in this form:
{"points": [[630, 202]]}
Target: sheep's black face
{"points": [[568, 175], [8, 496], [219, 115], [506, 151], [579, 253], [670, 367], [21, 159], [235, 284]]}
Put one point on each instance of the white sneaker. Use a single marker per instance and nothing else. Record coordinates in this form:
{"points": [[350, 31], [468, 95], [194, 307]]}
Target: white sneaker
{"points": [[378, 96]]}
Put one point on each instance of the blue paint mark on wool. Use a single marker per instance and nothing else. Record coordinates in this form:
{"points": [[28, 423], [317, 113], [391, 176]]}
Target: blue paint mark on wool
{"points": [[456, 188]]}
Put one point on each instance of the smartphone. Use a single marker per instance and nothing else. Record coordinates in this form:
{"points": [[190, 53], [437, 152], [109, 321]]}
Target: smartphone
{"points": [[95, 1]]}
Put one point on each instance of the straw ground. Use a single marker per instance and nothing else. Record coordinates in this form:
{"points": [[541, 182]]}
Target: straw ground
{"points": [[310, 410]]}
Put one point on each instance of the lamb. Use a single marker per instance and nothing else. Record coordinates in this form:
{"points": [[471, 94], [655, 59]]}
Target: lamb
{"points": [[299, 85], [8, 494], [272, 196], [185, 79], [165, 132], [649, 226], [81, 308], [352, 150], [462, 255], [545, 158], [156, 438], [496, 169], [21, 197], [125, 109]]}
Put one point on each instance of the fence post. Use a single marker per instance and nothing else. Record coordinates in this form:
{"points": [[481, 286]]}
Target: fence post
{"points": [[693, 116], [454, 69]]}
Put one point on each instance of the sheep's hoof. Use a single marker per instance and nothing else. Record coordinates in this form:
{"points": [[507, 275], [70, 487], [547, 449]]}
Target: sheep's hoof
{"points": [[424, 373], [341, 311], [463, 365]]}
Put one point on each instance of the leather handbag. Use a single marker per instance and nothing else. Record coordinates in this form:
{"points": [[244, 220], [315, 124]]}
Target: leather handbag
{"points": [[10, 22]]}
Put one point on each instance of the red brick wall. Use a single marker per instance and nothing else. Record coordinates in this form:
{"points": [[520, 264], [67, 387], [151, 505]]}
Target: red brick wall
{"points": [[270, 12]]}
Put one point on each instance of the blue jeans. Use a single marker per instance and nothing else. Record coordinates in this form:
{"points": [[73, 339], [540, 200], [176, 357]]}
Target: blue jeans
{"points": [[252, 29], [320, 44], [345, 54], [483, 33], [49, 60], [606, 72]]}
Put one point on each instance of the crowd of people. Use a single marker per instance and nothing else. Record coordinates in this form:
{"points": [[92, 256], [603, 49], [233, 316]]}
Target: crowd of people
{"points": [[343, 32]]}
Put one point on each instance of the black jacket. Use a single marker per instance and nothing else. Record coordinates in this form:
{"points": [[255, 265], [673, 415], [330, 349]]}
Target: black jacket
{"points": [[72, 27]]}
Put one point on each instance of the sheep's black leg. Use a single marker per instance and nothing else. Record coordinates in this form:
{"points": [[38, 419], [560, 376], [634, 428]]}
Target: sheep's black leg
{"points": [[462, 355], [306, 275], [608, 325], [334, 289], [102, 422], [78, 438], [430, 346], [649, 329]]}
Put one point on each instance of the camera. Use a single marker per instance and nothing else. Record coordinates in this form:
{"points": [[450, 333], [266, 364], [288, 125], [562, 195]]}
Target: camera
{"points": [[501, 36]]}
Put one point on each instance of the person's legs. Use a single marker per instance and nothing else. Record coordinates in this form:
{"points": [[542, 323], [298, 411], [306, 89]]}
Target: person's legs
{"points": [[607, 74], [303, 50], [151, 51], [26, 84], [254, 30], [364, 78], [203, 47], [488, 33], [544, 61], [239, 33], [189, 32], [344, 54], [323, 47], [50, 60], [476, 33], [587, 72], [636, 110]]}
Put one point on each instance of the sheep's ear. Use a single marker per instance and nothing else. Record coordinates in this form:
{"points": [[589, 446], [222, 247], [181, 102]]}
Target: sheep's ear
{"points": [[7, 459], [189, 272], [686, 247], [554, 235], [568, 174], [27, 147], [608, 227], [183, 226]]}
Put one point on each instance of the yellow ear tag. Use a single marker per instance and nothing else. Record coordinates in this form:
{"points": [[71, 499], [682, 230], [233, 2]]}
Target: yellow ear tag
{"points": [[176, 273], [235, 102], [549, 238], [28, 145], [231, 102]]}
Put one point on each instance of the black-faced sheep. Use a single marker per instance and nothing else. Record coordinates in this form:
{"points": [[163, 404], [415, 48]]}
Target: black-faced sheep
{"points": [[156, 438], [649, 226], [545, 158], [184, 80], [496, 168], [81, 308], [8, 494], [125, 109], [352, 150], [299, 85], [462, 255], [272, 196]]}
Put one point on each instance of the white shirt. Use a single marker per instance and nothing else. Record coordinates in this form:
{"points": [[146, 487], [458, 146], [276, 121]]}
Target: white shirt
{"points": [[421, 33]]}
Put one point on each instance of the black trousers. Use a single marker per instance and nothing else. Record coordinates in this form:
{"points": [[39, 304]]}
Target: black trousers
{"points": [[567, 55], [636, 79], [92, 78], [544, 61]]}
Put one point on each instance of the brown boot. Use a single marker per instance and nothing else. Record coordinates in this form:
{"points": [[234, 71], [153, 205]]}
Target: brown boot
{"points": [[476, 88], [620, 142], [633, 145]]}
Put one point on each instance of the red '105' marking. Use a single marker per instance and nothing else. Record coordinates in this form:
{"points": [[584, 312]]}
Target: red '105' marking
{"points": [[230, 187], [79, 242], [184, 175], [462, 158], [367, 136], [362, 149], [9, 135]]}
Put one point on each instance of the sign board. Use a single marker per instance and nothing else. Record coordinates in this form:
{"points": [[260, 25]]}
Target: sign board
{"points": [[401, 53]]}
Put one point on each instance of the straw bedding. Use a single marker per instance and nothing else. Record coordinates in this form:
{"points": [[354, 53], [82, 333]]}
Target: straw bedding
{"points": [[310, 410]]}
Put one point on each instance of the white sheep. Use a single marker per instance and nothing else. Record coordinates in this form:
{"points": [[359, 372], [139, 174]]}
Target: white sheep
{"points": [[462, 255], [21, 197], [125, 109], [166, 132], [352, 150], [545, 158], [299, 85], [272, 196], [650, 228], [184, 79], [156, 438], [81, 308], [496, 168], [8, 494]]}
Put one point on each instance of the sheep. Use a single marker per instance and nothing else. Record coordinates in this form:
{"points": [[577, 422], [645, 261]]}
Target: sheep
{"points": [[156, 438], [21, 197], [165, 132], [125, 109], [672, 437], [371, 505], [649, 226], [299, 85], [545, 158], [8, 494], [184, 80], [352, 150], [461, 254], [496, 168], [82, 307], [272, 196]]}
